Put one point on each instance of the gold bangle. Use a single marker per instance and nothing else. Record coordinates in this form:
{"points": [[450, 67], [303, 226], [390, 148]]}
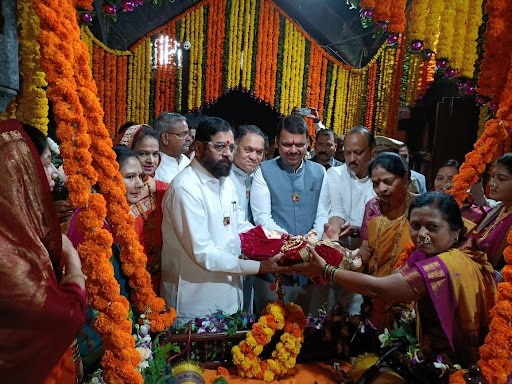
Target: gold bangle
{"points": [[66, 278]]}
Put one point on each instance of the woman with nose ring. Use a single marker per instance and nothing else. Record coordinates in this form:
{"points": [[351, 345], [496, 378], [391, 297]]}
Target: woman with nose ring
{"points": [[453, 288], [490, 235], [147, 211]]}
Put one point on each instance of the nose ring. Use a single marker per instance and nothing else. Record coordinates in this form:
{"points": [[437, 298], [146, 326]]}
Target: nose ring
{"points": [[426, 240], [493, 185]]}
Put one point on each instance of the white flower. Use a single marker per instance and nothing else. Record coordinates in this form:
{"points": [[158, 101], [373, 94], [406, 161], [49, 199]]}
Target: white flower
{"points": [[385, 339], [441, 366], [54, 147], [145, 355]]}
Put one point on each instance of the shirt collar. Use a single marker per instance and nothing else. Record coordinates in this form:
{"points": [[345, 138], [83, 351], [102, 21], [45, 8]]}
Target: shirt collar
{"points": [[204, 176], [354, 177], [287, 168]]}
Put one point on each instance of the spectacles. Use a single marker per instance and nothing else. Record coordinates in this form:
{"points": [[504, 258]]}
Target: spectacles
{"points": [[182, 135], [220, 146]]}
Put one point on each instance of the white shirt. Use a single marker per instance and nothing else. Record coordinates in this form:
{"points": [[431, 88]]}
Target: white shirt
{"points": [[261, 206], [346, 195], [201, 268], [169, 167], [242, 181]]}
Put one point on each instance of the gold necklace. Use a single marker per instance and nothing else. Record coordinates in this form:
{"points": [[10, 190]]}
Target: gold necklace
{"points": [[487, 230], [145, 205]]}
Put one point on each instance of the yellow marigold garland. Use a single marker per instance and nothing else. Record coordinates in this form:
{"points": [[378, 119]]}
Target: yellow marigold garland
{"points": [[432, 24], [291, 319], [446, 30], [32, 104], [473, 22]]}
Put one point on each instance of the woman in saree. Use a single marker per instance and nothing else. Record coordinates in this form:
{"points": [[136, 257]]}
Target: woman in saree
{"points": [[490, 236], [385, 231], [90, 344], [454, 289], [42, 295], [144, 141]]}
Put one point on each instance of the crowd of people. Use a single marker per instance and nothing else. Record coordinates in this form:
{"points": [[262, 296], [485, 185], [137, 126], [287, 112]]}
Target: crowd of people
{"points": [[193, 190]]}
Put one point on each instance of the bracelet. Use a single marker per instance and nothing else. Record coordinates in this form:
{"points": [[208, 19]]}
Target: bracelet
{"points": [[324, 271], [75, 351], [333, 273], [66, 278]]}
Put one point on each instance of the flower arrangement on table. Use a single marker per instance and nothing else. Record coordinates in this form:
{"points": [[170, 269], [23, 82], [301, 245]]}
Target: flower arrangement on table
{"points": [[276, 316], [400, 356], [207, 340]]}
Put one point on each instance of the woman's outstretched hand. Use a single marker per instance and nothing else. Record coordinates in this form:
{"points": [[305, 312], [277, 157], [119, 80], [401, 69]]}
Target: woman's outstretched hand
{"points": [[313, 268]]}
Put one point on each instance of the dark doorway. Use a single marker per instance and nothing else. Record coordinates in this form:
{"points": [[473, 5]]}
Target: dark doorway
{"points": [[239, 108]]}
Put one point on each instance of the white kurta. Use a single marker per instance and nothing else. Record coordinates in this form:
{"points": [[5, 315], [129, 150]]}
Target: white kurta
{"points": [[347, 195], [201, 268], [169, 167]]}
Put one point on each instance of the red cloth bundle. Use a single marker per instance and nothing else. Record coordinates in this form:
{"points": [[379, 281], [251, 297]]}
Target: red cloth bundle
{"points": [[257, 245]]}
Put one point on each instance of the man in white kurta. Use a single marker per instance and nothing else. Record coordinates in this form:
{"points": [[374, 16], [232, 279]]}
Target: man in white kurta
{"points": [[175, 141], [350, 188], [201, 265]]}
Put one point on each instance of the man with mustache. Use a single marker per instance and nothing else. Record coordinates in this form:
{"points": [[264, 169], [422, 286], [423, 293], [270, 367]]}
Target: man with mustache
{"points": [[349, 189], [202, 219], [284, 197], [325, 148]]}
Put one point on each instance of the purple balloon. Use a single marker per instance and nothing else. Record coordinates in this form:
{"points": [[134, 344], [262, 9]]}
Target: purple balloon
{"points": [[110, 9], [85, 18], [442, 63], [392, 38], [450, 72], [128, 5], [367, 13], [417, 45]]}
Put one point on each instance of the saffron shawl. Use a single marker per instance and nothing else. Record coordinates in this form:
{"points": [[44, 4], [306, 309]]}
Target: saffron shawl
{"points": [[40, 318]]}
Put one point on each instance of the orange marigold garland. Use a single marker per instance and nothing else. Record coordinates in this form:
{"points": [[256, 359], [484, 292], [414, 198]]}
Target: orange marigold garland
{"points": [[291, 319], [402, 259], [61, 59], [72, 90]]}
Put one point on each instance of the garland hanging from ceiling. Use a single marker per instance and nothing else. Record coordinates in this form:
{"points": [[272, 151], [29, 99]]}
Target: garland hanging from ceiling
{"points": [[253, 46]]}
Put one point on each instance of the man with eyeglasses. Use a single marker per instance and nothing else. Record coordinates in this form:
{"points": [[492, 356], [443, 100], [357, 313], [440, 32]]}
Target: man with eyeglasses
{"points": [[250, 141], [201, 266], [284, 197], [175, 142]]}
